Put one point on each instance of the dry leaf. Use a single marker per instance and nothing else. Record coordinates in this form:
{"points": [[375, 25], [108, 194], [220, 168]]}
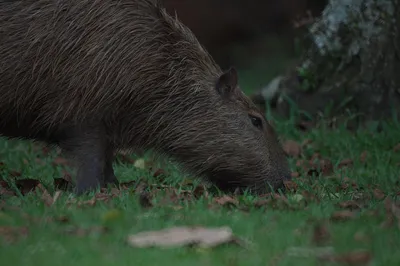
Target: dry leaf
{"points": [[396, 213], [124, 158], [290, 185], [46, 197], [12, 233], [378, 194], [14, 173], [60, 161], [295, 174], [100, 196], [306, 142], [326, 166], [361, 237], [351, 258], [345, 163], [62, 219], [5, 190], [182, 236], [159, 172], [363, 156], [292, 148], [342, 215], [321, 234], [199, 191], [262, 202], [396, 148], [57, 194], [391, 211], [90, 202], [226, 200], [310, 196], [349, 204]]}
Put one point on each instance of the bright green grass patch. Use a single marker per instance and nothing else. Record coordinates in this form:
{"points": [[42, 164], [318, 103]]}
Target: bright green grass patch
{"points": [[274, 233]]}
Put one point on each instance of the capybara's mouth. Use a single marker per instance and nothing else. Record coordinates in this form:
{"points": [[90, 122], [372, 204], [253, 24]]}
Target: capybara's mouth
{"points": [[229, 181]]}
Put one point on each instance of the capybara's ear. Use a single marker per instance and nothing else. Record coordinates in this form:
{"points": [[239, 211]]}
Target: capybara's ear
{"points": [[227, 83]]}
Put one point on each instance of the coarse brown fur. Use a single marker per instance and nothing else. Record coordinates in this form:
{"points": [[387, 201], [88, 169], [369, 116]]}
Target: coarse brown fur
{"points": [[96, 76]]}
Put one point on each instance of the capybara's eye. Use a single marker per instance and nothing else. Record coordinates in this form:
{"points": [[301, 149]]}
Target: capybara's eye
{"points": [[257, 122]]}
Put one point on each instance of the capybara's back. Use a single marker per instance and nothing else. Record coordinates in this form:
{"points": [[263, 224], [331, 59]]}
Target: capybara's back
{"points": [[95, 76]]}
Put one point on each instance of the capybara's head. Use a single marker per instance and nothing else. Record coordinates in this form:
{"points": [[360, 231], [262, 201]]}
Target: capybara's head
{"points": [[227, 139]]}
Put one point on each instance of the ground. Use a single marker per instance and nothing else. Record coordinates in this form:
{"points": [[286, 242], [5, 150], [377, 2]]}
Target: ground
{"points": [[341, 207]]}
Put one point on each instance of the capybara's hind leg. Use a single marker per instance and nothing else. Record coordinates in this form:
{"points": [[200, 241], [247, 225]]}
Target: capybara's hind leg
{"points": [[88, 146]]}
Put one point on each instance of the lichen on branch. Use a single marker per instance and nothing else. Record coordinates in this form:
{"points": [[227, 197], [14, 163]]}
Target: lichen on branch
{"points": [[362, 20]]}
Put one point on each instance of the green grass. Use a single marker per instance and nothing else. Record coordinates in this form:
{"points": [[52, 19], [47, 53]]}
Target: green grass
{"points": [[272, 231]]}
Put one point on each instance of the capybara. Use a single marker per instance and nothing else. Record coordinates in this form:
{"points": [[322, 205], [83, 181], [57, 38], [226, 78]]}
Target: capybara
{"points": [[98, 76]]}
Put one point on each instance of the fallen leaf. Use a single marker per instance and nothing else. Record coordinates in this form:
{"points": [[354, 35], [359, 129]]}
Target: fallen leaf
{"points": [[378, 194], [60, 161], [349, 204], [126, 185], [306, 142], [5, 190], [292, 148], [12, 233], [390, 216], [183, 236], [37, 161], [57, 194], [62, 219], [315, 156], [14, 173], [396, 213], [291, 186], [159, 172], [101, 196], [363, 156], [321, 234], [345, 163], [124, 158], [200, 191], [396, 148], [45, 150], [46, 197], [324, 166], [226, 200], [90, 202], [351, 258], [310, 197], [342, 215], [361, 237], [115, 192], [295, 174]]}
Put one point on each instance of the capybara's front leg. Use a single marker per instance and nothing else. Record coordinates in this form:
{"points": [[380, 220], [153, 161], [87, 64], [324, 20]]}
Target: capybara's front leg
{"points": [[88, 146]]}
